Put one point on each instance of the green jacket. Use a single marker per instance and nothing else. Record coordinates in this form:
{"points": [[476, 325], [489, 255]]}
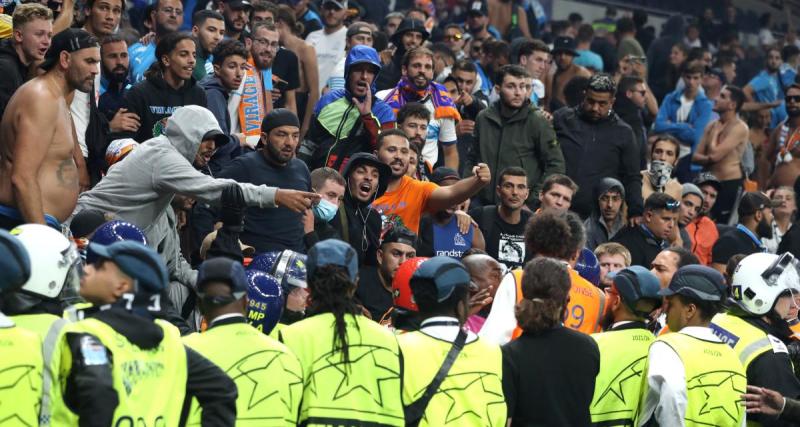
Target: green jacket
{"points": [[525, 139]]}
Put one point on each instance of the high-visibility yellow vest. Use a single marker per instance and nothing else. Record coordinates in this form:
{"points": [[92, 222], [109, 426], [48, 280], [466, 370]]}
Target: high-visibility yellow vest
{"points": [[50, 329], [150, 384], [617, 389], [21, 368], [267, 374], [472, 392], [365, 391], [715, 380], [746, 340]]}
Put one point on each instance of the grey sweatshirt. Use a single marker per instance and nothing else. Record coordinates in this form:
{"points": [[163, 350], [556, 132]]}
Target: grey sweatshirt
{"points": [[139, 189]]}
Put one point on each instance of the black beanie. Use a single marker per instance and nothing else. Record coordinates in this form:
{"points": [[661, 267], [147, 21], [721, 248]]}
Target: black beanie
{"points": [[277, 118]]}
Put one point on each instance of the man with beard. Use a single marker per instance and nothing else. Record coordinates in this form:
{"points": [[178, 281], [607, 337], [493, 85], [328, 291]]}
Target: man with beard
{"points": [[631, 298], [493, 56], [629, 105], [766, 89], [230, 65], [273, 71], [347, 121], [32, 31], [208, 29], [646, 240], [374, 290], [168, 85], [439, 232], [114, 84], [329, 42], [43, 170], [406, 199], [755, 223], [503, 224], [597, 144], [273, 165], [607, 217], [237, 16], [417, 85], [564, 54], [478, 21], [702, 229], [720, 151], [359, 225], [783, 150], [411, 34], [512, 133], [168, 17]]}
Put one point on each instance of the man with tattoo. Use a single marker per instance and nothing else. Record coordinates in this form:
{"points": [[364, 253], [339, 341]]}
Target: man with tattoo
{"points": [[42, 168]]}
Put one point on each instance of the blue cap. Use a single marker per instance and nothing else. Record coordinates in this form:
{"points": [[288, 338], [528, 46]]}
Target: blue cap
{"points": [[588, 266], [333, 252], [636, 283], [445, 272], [224, 270], [15, 264], [699, 282], [138, 261]]}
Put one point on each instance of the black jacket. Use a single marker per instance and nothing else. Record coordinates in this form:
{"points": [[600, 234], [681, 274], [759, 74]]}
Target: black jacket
{"points": [[658, 56], [90, 391], [391, 73], [14, 73], [217, 103], [596, 150], [633, 116], [643, 247], [154, 100]]}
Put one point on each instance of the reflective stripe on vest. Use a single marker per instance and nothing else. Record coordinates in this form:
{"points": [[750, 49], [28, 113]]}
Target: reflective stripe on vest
{"points": [[715, 381], [472, 392], [365, 391], [585, 307], [746, 340], [254, 362], [21, 383], [623, 357], [150, 384]]}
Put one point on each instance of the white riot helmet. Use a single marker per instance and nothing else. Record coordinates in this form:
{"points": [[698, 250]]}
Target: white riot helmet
{"points": [[761, 278], [55, 262]]}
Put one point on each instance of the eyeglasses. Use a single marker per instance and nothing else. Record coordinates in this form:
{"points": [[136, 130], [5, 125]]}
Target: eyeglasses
{"points": [[792, 98], [453, 37], [170, 11], [265, 42]]}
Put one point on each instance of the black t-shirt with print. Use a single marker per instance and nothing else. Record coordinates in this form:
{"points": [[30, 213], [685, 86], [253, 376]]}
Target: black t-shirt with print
{"points": [[504, 242]]}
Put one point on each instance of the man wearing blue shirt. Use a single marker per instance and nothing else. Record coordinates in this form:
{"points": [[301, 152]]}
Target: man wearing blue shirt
{"points": [[766, 89], [168, 16], [684, 114]]}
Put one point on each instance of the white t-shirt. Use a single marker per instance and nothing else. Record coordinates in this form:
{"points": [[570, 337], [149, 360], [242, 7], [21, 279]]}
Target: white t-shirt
{"points": [[682, 115], [80, 111], [439, 131], [330, 49]]}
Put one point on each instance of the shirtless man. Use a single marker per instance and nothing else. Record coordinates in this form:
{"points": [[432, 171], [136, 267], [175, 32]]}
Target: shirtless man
{"points": [[721, 148], [500, 17], [42, 166], [783, 150], [563, 55]]}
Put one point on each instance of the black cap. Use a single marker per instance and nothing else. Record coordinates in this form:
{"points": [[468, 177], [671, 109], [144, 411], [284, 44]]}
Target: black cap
{"points": [[239, 4], [218, 137], [707, 178], [223, 270], [408, 25], [717, 72], [69, 40], [86, 222], [443, 173], [698, 282], [478, 7], [564, 44], [277, 118], [394, 233], [752, 202]]}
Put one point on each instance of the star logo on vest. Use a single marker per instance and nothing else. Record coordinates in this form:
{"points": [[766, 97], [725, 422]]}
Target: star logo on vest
{"points": [[717, 387], [459, 387], [252, 377], [13, 380], [631, 374]]}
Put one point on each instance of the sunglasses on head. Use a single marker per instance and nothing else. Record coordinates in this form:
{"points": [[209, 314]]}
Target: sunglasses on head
{"points": [[453, 37]]}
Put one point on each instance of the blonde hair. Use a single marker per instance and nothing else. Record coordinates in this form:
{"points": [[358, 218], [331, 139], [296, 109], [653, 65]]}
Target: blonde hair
{"points": [[28, 12], [612, 249]]}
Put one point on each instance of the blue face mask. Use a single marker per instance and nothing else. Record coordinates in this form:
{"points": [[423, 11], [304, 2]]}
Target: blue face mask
{"points": [[325, 210]]}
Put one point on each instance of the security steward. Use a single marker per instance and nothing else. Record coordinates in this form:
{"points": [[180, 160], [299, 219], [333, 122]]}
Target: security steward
{"points": [[152, 371], [266, 373], [692, 377], [448, 370], [631, 298], [755, 327], [21, 349]]}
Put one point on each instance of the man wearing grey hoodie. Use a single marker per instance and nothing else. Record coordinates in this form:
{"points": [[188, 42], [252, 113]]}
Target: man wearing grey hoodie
{"points": [[608, 215], [140, 188]]}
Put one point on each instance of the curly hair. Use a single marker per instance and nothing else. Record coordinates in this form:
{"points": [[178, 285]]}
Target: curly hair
{"points": [[331, 291], [545, 287], [548, 234]]}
